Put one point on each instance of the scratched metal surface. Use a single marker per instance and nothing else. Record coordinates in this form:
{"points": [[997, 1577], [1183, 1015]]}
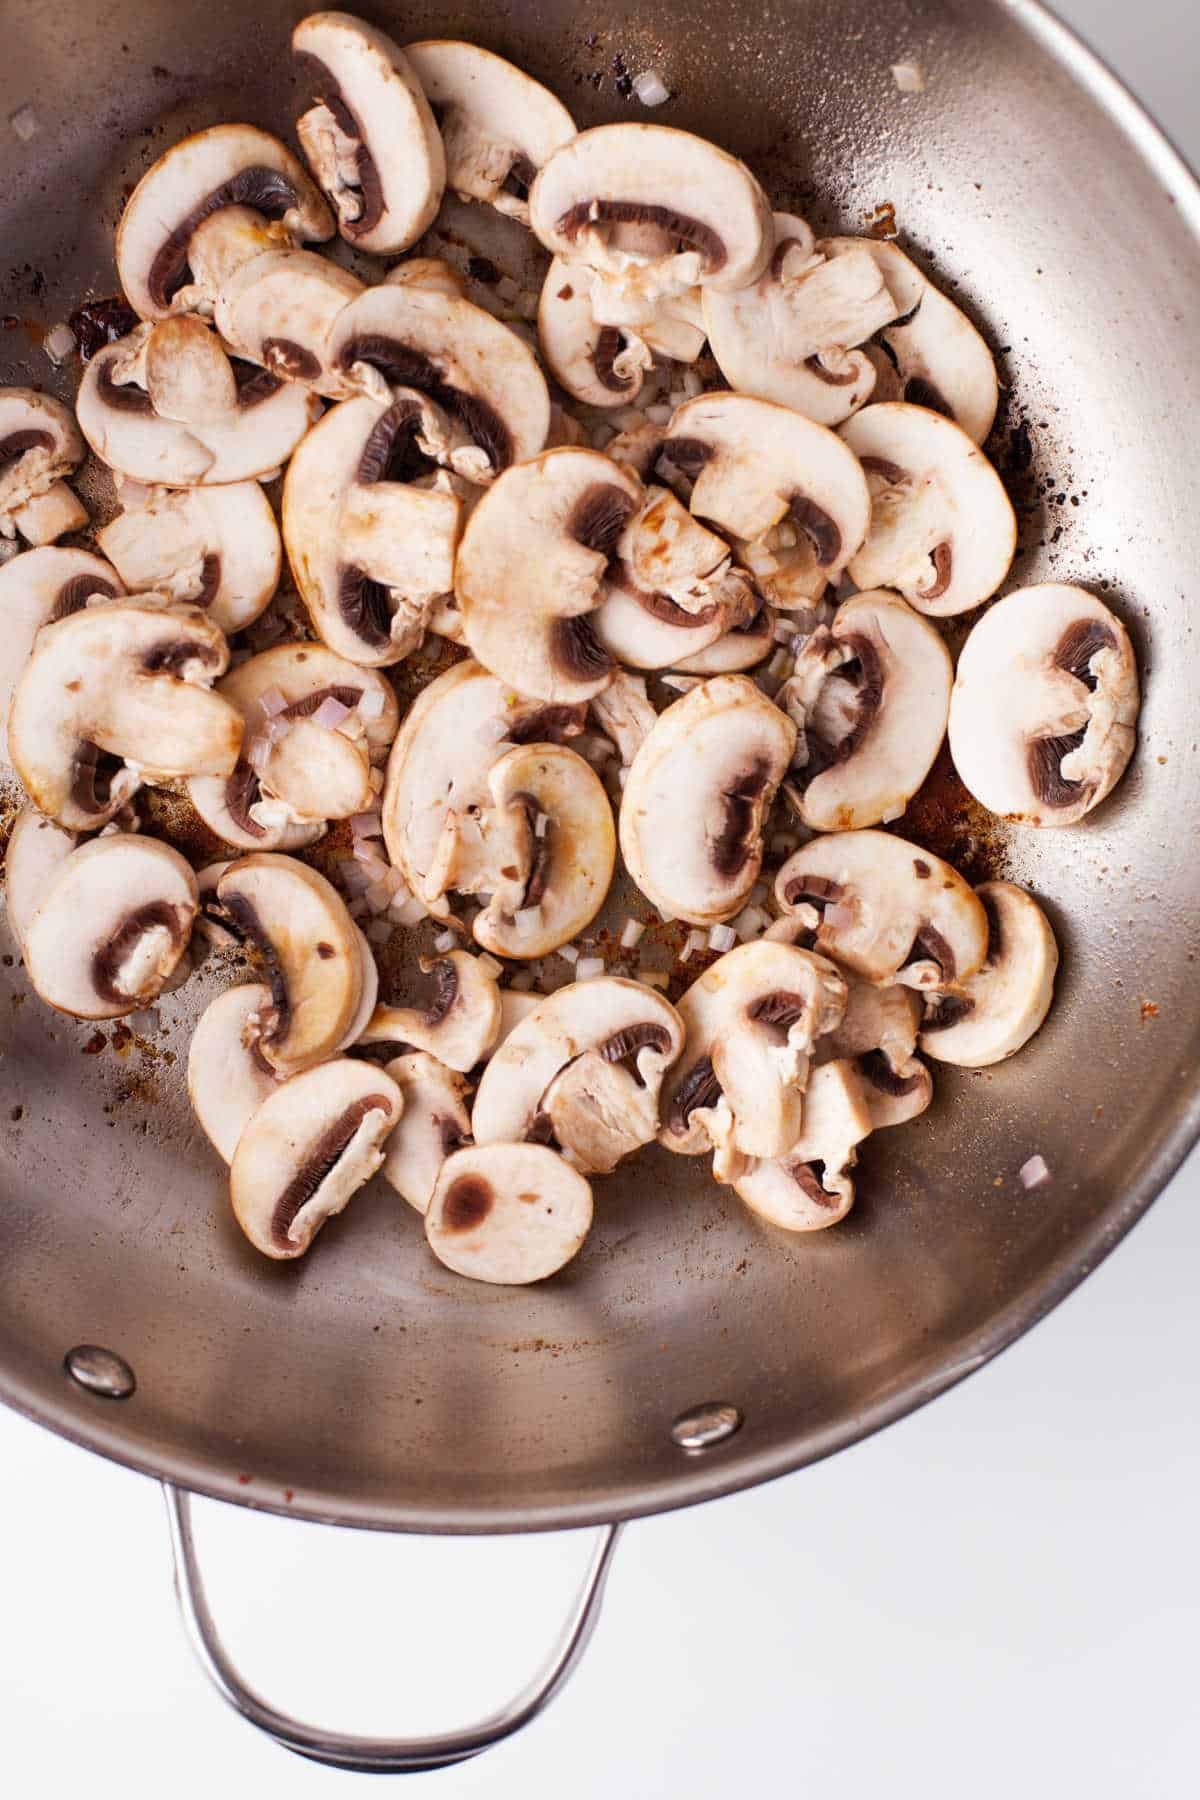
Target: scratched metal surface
{"points": [[366, 1382]]}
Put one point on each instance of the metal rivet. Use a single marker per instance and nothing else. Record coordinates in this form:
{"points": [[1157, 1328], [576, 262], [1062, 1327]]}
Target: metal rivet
{"points": [[100, 1371], [703, 1426]]}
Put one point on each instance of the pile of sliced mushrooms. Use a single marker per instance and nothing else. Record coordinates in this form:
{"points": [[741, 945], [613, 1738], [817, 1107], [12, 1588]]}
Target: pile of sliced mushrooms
{"points": [[692, 537]]}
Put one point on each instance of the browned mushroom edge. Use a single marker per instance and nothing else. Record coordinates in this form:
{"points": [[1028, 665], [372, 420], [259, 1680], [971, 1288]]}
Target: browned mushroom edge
{"points": [[691, 233], [402, 365], [107, 960], [327, 90], [267, 191], [318, 1164]]}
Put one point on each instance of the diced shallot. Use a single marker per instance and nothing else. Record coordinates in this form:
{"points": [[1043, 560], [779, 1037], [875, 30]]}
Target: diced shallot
{"points": [[569, 953], [696, 940], [541, 825], [527, 918], [366, 825], [59, 343], [588, 967], [271, 701], [749, 923], [370, 704], [406, 909], [331, 713], [722, 937], [258, 753], [1034, 1172], [444, 941], [650, 88], [632, 934]]}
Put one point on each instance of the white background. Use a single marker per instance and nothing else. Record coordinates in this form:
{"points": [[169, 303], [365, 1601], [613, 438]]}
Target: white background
{"points": [[999, 1595]]}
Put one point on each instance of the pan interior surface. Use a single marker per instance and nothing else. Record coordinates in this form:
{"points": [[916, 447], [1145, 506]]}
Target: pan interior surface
{"points": [[366, 1383]]}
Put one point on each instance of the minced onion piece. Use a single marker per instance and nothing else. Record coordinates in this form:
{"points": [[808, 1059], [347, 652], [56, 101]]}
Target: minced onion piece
{"points": [[490, 965], [588, 967], [258, 753], [784, 632], [909, 77], [780, 664], [370, 704], [445, 940], [59, 343], [379, 931], [271, 701], [722, 937], [749, 922], [696, 940], [358, 909], [379, 896], [363, 851], [331, 713], [632, 934], [24, 123], [1034, 1172], [527, 918], [569, 953], [409, 910], [541, 825], [650, 88], [366, 825]]}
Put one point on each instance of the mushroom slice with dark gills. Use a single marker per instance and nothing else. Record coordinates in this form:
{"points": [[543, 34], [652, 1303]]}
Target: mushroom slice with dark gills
{"points": [[507, 1213], [1043, 717], [648, 630], [228, 1077], [753, 1020], [585, 1069], [167, 406], [783, 488], [112, 925], [434, 1125], [530, 571], [39, 445], [605, 365], [295, 924], [307, 1150], [223, 166], [460, 1023], [942, 527], [116, 695], [739, 647], [811, 1188], [216, 547], [887, 910], [870, 696], [36, 588], [278, 309], [699, 790], [371, 139], [498, 125], [37, 849], [997, 1010]]}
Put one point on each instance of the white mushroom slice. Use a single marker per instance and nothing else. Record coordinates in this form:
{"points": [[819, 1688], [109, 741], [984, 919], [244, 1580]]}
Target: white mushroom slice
{"points": [[37, 849], [878, 1034], [498, 125], [645, 630], [998, 1009], [371, 140], [228, 1077], [810, 1188], [530, 569], [943, 529], [515, 1006], [666, 551], [870, 696], [307, 1150], [216, 547], [461, 1022], [767, 476], [674, 189], [940, 359], [39, 444], [111, 927], [700, 787], [1043, 717], [226, 165], [743, 646], [752, 1021], [278, 310], [599, 364], [119, 683], [508, 1213], [297, 925], [36, 588], [480, 373], [211, 795], [585, 1066], [888, 910], [624, 713], [434, 1125], [256, 435], [431, 272]]}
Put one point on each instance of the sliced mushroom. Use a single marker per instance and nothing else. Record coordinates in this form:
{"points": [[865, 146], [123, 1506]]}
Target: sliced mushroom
{"points": [[878, 1034], [943, 529], [111, 927], [584, 1068], [39, 444], [645, 630], [278, 310], [113, 693], [624, 713], [227, 1075], [459, 1025], [1043, 717], [811, 1188], [36, 588], [297, 926], [752, 1021], [498, 125], [888, 910], [223, 166], [166, 405], [999, 1008], [216, 547], [434, 1125], [431, 272], [37, 849], [307, 1150], [700, 787], [371, 140], [508, 1213], [741, 647], [605, 365], [870, 696]]}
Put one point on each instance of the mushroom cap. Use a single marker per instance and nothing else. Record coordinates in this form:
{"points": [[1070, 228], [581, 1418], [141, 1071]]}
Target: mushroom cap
{"points": [[912, 918], [111, 927], [216, 547], [121, 679], [696, 796], [459, 1025], [597, 364], [942, 529], [375, 115], [878, 1034], [224, 165], [530, 568], [36, 588], [760, 465], [278, 310], [656, 176], [1043, 716], [499, 126], [435, 1123], [227, 1077], [39, 443], [1001, 1006], [298, 924], [313, 1142], [507, 1213], [810, 1188], [752, 1021], [37, 848], [118, 418], [871, 696]]}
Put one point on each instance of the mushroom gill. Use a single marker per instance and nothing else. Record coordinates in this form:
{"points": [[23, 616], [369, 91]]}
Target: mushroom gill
{"points": [[689, 233], [319, 1164]]}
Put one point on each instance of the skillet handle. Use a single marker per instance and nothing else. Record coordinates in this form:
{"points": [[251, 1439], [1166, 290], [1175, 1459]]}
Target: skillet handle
{"points": [[368, 1755]]}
